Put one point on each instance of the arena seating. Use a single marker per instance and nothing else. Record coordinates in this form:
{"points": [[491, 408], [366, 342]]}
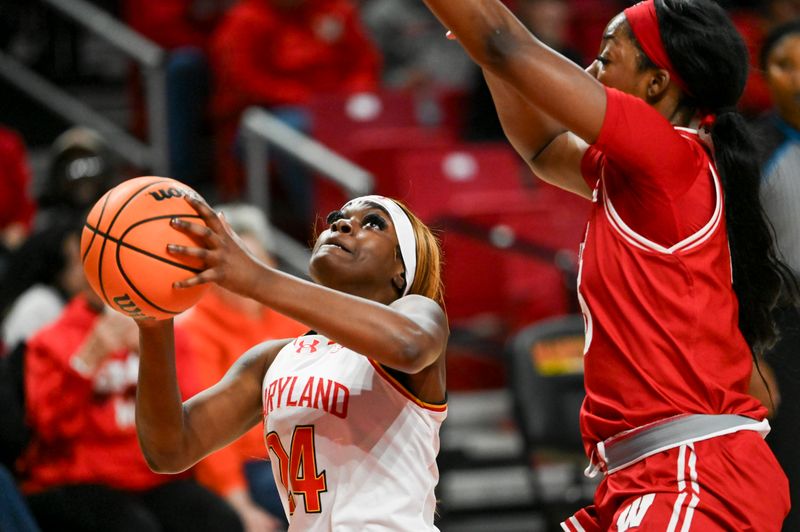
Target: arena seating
{"points": [[496, 220], [546, 380]]}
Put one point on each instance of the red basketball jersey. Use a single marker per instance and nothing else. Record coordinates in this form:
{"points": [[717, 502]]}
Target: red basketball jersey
{"points": [[662, 334]]}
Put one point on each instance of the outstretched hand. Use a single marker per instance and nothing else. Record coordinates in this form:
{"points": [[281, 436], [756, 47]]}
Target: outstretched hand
{"points": [[226, 260]]}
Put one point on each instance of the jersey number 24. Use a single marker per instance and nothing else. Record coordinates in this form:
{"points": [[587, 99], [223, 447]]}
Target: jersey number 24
{"points": [[298, 468]]}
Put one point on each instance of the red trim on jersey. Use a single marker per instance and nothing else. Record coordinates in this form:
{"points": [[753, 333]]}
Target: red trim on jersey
{"points": [[400, 388]]}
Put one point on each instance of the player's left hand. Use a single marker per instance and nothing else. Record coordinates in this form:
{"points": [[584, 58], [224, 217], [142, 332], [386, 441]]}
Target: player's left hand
{"points": [[226, 258]]}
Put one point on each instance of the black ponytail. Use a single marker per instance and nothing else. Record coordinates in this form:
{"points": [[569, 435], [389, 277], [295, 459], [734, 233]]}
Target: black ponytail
{"points": [[758, 275], [712, 59]]}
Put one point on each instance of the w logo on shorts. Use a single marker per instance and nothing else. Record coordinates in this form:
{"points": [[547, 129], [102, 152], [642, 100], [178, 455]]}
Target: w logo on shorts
{"points": [[632, 516]]}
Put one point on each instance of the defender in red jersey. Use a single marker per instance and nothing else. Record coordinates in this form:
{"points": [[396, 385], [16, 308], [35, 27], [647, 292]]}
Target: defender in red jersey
{"points": [[678, 272]]}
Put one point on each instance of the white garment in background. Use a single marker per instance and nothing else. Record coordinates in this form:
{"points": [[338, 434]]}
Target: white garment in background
{"points": [[36, 307]]}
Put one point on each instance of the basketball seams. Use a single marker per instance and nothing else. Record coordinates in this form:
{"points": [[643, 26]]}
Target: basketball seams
{"points": [[119, 242], [120, 209], [140, 294], [94, 235]]}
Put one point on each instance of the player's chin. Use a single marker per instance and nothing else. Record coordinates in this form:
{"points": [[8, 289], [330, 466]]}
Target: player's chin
{"points": [[328, 268], [319, 268]]}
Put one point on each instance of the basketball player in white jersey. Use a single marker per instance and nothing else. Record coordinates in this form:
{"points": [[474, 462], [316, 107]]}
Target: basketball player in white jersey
{"points": [[351, 410]]}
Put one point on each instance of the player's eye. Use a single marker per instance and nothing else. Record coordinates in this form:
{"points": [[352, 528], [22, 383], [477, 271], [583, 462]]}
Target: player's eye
{"points": [[374, 220]]}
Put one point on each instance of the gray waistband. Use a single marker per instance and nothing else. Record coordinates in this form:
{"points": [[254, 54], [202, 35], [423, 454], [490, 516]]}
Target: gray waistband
{"points": [[627, 448]]}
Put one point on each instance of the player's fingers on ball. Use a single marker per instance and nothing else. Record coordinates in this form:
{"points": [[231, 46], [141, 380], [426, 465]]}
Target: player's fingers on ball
{"points": [[204, 277], [177, 249], [186, 283], [205, 211], [202, 207], [192, 229]]}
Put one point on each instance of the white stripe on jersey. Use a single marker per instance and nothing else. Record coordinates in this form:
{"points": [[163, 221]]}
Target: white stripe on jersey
{"points": [[690, 242]]}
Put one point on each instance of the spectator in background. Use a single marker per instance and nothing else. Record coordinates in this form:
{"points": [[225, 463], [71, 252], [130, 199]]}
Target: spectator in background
{"points": [[16, 204], [550, 21], [221, 327], [279, 54], [174, 24], [414, 52], [779, 132], [81, 169], [184, 29], [83, 469], [755, 22], [45, 271], [43, 274]]}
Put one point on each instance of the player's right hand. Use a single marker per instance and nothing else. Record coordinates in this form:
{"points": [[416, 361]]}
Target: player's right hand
{"points": [[228, 261]]}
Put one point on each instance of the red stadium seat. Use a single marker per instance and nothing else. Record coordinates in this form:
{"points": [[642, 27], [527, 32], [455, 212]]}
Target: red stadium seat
{"points": [[510, 260], [502, 231], [353, 123], [540, 235], [434, 181], [432, 174], [364, 126]]}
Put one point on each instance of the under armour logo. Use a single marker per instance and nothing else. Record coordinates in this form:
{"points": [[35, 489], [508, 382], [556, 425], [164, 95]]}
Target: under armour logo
{"points": [[306, 347]]}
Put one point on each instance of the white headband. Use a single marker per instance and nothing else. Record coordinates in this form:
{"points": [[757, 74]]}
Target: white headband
{"points": [[405, 234]]}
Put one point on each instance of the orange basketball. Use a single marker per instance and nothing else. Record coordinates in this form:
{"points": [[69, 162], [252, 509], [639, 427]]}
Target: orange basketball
{"points": [[124, 248]]}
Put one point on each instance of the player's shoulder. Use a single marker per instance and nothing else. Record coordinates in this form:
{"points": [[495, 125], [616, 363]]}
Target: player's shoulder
{"points": [[260, 356]]}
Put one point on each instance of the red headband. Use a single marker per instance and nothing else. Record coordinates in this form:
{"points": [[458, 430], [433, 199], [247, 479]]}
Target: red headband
{"points": [[644, 23]]}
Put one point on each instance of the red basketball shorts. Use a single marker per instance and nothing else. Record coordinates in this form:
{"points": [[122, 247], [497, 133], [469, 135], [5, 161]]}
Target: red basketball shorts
{"points": [[727, 483]]}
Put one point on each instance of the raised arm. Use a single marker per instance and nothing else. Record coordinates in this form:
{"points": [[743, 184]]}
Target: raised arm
{"points": [[552, 153], [501, 45], [174, 435], [409, 335]]}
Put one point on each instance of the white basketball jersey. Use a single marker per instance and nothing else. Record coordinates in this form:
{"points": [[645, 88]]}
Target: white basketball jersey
{"points": [[351, 449]]}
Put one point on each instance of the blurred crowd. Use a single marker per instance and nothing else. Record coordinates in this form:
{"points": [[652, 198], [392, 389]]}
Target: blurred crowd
{"points": [[68, 366]]}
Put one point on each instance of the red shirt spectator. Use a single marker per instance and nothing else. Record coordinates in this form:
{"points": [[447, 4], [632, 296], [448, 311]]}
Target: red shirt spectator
{"points": [[754, 24], [83, 420], [16, 206], [175, 23], [281, 52], [756, 98]]}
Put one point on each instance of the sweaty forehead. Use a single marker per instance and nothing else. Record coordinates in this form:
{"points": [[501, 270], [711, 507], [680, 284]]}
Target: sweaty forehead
{"points": [[616, 28]]}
